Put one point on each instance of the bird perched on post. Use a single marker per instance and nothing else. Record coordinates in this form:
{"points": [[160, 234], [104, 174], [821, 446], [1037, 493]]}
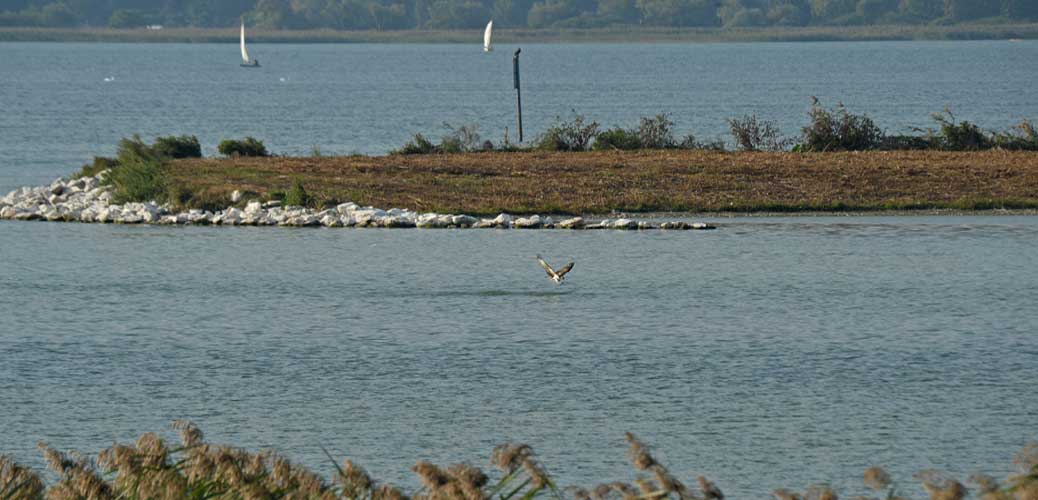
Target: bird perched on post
{"points": [[556, 276]]}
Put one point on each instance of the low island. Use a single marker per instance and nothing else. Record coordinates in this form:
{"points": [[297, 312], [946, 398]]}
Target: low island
{"points": [[573, 176]]}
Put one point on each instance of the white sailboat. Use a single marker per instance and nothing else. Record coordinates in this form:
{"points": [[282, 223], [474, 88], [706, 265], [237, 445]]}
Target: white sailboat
{"points": [[245, 61], [486, 36]]}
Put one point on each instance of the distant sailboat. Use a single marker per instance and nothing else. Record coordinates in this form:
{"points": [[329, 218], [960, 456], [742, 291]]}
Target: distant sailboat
{"points": [[246, 62], [486, 36]]}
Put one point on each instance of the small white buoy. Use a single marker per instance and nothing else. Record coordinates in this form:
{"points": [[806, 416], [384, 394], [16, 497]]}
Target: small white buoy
{"points": [[110, 79]]}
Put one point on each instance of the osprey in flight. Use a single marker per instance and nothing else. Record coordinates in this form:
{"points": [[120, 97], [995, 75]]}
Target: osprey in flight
{"points": [[556, 276]]}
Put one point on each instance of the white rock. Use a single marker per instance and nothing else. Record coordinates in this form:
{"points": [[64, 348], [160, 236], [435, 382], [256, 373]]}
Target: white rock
{"points": [[531, 222], [235, 196], [463, 220], [7, 212], [253, 207], [484, 223], [624, 224], [503, 220], [27, 215], [272, 204], [331, 221], [572, 223], [397, 221], [429, 220]]}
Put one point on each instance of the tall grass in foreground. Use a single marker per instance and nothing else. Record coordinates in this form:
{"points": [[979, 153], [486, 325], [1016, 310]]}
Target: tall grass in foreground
{"points": [[194, 469]]}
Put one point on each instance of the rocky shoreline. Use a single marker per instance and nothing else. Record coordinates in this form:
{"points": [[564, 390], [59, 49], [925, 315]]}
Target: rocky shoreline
{"points": [[89, 200]]}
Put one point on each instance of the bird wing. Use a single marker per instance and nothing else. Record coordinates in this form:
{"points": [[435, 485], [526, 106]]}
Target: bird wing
{"points": [[547, 268], [564, 270]]}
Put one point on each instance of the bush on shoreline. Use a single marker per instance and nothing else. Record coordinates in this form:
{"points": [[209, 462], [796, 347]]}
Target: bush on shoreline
{"points": [[829, 129], [248, 146], [837, 129], [460, 139], [178, 147], [752, 134], [297, 195], [573, 135], [152, 467]]}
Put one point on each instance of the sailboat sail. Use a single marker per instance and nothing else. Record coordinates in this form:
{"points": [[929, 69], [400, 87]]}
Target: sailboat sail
{"points": [[244, 54], [486, 37]]}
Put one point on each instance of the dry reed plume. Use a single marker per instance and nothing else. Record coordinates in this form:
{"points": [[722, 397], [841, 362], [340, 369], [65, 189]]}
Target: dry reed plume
{"points": [[153, 469]]}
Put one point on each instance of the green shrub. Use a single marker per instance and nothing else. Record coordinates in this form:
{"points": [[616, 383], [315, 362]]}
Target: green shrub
{"points": [[459, 139], [133, 149], [1022, 137], [137, 180], [297, 195], [451, 145], [185, 146], [751, 134], [245, 147], [617, 138], [417, 146], [838, 130], [690, 142], [574, 135], [959, 136], [656, 132], [100, 164]]}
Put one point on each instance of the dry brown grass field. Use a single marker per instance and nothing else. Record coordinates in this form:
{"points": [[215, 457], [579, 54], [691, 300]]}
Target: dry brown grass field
{"points": [[639, 181]]}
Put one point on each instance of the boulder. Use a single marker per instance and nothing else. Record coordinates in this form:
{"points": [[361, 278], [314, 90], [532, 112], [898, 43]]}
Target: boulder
{"points": [[365, 215], [431, 220], [253, 207], [27, 215], [484, 223], [235, 196], [571, 223], [532, 222], [463, 220], [624, 224], [8, 212], [503, 220], [702, 225], [395, 221], [676, 225], [644, 224], [272, 204], [331, 221], [346, 208]]}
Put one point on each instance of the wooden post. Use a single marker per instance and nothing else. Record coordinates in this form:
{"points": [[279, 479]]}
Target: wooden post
{"points": [[518, 93]]}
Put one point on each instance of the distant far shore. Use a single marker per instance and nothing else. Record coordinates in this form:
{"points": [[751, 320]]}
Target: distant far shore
{"points": [[632, 34]]}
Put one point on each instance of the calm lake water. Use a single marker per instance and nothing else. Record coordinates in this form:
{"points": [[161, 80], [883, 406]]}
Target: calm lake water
{"points": [[771, 353], [768, 353]]}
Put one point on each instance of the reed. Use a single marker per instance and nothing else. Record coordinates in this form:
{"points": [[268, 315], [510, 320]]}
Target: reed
{"points": [[192, 468]]}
